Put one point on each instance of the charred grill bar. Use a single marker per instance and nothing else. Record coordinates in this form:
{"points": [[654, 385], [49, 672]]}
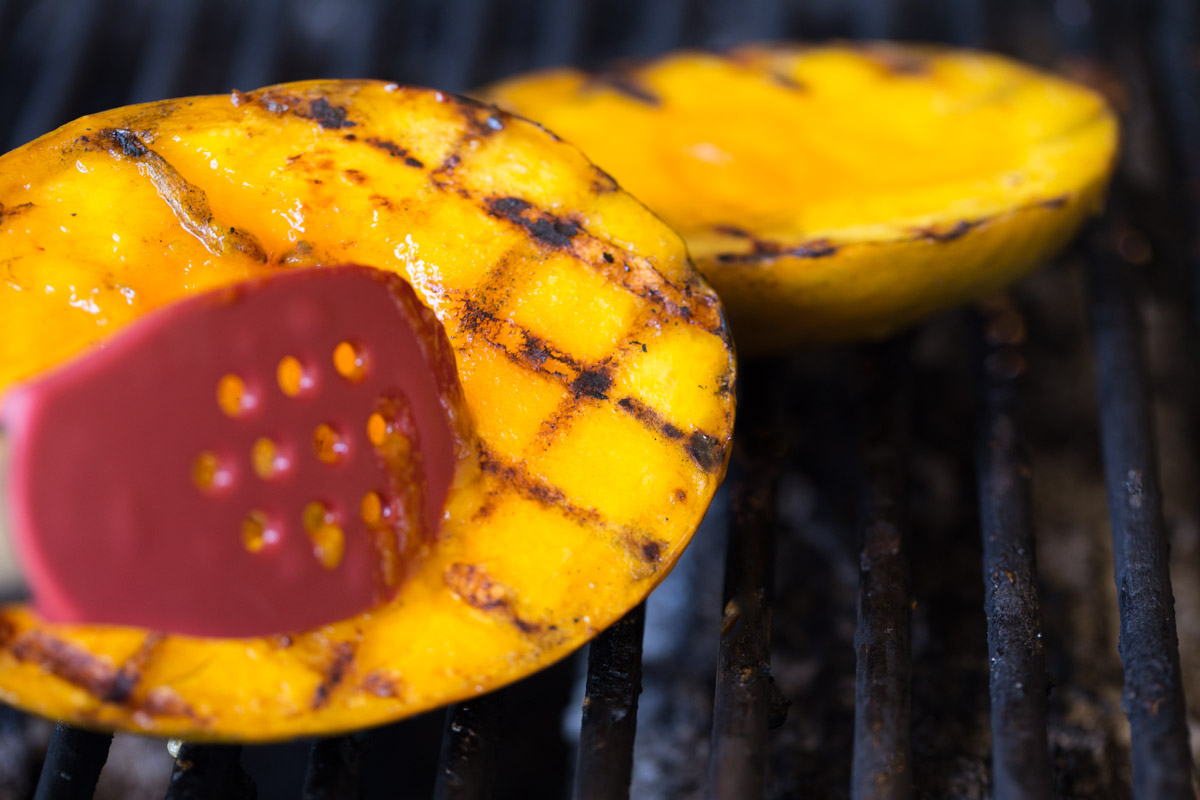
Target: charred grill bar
{"points": [[48, 53]]}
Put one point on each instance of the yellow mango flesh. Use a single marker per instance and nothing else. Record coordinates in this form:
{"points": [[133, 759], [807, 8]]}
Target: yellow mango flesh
{"points": [[597, 374], [840, 192]]}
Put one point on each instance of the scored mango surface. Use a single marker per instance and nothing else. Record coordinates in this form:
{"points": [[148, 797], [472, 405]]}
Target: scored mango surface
{"points": [[596, 369], [839, 192]]}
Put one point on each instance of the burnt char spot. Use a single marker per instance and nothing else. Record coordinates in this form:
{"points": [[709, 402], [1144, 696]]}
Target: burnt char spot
{"points": [[389, 147], [535, 349], [542, 226], [333, 673], [1052, 203], [472, 584], [649, 417], [624, 81], [412, 162], [326, 115], [651, 550], [705, 450], [381, 683], [609, 258], [955, 231], [592, 383], [277, 102], [127, 141], [354, 176]]}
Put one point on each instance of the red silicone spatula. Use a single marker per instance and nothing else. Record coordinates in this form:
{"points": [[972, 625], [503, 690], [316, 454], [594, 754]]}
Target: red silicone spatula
{"points": [[249, 461]]}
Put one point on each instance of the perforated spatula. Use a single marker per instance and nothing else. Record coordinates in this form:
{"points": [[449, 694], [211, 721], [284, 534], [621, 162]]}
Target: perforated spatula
{"points": [[249, 461]]}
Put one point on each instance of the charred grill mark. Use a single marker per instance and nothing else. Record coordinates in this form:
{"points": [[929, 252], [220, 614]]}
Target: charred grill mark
{"points": [[623, 81], [541, 225], [518, 477], [127, 677], [521, 346], [66, 661], [472, 584], [592, 383], [391, 148], [96, 676], [649, 417], [955, 231], [767, 251], [1051, 204], [381, 683], [188, 202], [707, 451], [732, 230], [412, 162], [11, 211], [787, 81], [333, 673]]}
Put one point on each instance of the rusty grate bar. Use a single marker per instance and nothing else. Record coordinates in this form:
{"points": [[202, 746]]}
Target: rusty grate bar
{"points": [[1149, 644], [741, 706], [467, 767], [335, 768], [73, 763], [1020, 748], [210, 772], [614, 681], [882, 758]]}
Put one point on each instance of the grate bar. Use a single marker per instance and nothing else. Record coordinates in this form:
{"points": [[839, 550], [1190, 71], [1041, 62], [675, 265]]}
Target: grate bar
{"points": [[467, 766], [1020, 746], [1149, 645], [614, 681], [210, 772], [741, 707], [335, 768], [882, 758], [73, 763]]}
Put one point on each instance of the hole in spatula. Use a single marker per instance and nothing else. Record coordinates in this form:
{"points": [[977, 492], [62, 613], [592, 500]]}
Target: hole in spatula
{"points": [[234, 398], [350, 361], [329, 445], [269, 461], [328, 540], [257, 532], [291, 376]]}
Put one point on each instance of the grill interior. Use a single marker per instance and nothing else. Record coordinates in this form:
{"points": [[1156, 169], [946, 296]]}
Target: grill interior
{"points": [[883, 630]]}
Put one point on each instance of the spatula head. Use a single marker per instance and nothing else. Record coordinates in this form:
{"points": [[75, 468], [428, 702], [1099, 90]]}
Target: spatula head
{"points": [[255, 460]]}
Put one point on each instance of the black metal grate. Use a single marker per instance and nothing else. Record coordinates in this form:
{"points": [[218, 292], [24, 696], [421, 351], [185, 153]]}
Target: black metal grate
{"points": [[62, 58]]}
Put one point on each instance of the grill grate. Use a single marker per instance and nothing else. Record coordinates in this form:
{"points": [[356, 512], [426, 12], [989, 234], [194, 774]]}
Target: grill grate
{"points": [[61, 58]]}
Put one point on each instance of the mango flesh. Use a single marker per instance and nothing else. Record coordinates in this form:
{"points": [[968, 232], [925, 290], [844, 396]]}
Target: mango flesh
{"points": [[841, 192], [596, 369]]}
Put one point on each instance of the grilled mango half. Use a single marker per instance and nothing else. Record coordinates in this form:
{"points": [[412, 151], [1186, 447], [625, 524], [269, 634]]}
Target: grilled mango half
{"points": [[595, 364], [840, 192]]}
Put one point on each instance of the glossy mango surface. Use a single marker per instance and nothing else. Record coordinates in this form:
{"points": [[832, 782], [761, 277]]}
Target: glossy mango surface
{"points": [[597, 375], [840, 192]]}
